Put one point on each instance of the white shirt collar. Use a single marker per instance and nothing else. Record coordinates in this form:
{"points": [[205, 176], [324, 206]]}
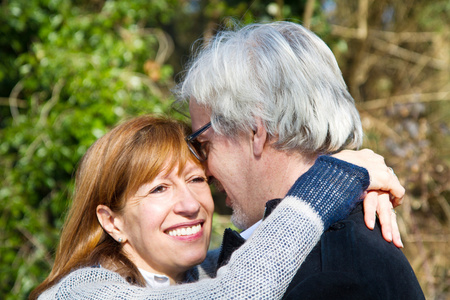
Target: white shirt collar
{"points": [[247, 233], [155, 280]]}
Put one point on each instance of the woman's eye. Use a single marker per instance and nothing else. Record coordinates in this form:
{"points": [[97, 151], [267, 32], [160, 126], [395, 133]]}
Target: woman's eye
{"points": [[198, 179], [158, 189]]}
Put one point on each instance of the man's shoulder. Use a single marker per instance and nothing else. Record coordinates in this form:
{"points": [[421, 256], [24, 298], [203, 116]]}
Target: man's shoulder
{"points": [[356, 261], [350, 242], [353, 233]]}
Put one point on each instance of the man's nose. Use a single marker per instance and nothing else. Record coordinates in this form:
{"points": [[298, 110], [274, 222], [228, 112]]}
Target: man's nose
{"points": [[187, 203]]}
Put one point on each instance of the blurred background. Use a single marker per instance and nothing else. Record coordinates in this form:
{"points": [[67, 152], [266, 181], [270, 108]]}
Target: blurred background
{"points": [[70, 70]]}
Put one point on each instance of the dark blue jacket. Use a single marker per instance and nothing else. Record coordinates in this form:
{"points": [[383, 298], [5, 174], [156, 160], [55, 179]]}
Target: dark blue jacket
{"points": [[350, 262]]}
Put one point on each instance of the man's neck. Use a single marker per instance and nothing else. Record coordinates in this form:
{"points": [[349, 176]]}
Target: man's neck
{"points": [[281, 169], [271, 176]]}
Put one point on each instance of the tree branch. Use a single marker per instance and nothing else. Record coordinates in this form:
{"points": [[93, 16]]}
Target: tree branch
{"points": [[411, 98], [13, 100], [20, 103], [307, 15], [51, 103], [363, 8], [408, 55]]}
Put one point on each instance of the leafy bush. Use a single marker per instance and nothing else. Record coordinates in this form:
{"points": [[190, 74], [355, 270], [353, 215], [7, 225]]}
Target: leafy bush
{"points": [[70, 70], [83, 73]]}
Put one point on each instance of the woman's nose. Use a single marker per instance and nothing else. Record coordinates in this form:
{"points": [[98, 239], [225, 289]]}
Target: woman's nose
{"points": [[187, 204]]}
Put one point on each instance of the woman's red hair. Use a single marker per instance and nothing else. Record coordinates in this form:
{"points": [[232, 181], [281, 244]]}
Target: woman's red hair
{"points": [[113, 168]]}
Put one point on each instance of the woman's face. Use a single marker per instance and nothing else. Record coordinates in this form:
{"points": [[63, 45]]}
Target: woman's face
{"points": [[167, 223]]}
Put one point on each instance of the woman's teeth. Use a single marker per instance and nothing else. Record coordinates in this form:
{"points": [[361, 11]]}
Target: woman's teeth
{"points": [[185, 230]]}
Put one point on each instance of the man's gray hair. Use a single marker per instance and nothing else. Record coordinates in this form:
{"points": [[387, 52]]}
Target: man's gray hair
{"points": [[281, 73]]}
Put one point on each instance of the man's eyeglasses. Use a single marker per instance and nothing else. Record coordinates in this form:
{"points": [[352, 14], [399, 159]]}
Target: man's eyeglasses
{"points": [[195, 146]]}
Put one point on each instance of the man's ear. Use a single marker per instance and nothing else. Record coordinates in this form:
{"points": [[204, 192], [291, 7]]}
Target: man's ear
{"points": [[259, 138], [111, 223]]}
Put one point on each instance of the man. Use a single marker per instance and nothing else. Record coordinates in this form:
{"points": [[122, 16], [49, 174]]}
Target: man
{"points": [[265, 102]]}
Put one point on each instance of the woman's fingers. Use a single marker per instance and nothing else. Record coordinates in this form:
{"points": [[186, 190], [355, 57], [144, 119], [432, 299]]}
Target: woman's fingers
{"points": [[396, 189], [370, 209], [388, 220], [396, 238], [376, 202]]}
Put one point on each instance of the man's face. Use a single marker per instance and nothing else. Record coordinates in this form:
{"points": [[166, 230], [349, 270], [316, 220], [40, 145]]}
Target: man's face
{"points": [[229, 162]]}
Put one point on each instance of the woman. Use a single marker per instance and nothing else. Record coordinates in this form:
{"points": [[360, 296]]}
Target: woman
{"points": [[141, 217], [120, 181]]}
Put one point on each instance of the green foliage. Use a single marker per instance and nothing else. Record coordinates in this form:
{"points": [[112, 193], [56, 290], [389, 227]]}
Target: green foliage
{"points": [[78, 73], [70, 70]]}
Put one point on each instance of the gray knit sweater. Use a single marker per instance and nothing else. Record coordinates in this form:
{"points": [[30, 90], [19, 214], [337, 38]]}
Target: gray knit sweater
{"points": [[263, 267]]}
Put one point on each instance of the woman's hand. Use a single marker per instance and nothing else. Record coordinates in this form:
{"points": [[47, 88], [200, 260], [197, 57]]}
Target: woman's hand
{"points": [[383, 194], [379, 202]]}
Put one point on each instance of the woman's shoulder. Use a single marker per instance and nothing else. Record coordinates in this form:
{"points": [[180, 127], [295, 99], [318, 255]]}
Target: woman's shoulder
{"points": [[86, 277]]}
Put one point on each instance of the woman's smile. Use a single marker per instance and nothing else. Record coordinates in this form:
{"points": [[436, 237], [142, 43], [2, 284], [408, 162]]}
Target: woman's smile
{"points": [[192, 231]]}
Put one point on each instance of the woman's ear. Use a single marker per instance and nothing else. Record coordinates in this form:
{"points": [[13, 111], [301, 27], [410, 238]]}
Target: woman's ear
{"points": [[259, 138], [111, 223]]}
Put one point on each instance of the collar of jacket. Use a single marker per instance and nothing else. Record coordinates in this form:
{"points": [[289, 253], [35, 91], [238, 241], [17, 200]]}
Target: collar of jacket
{"points": [[232, 240], [270, 206]]}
